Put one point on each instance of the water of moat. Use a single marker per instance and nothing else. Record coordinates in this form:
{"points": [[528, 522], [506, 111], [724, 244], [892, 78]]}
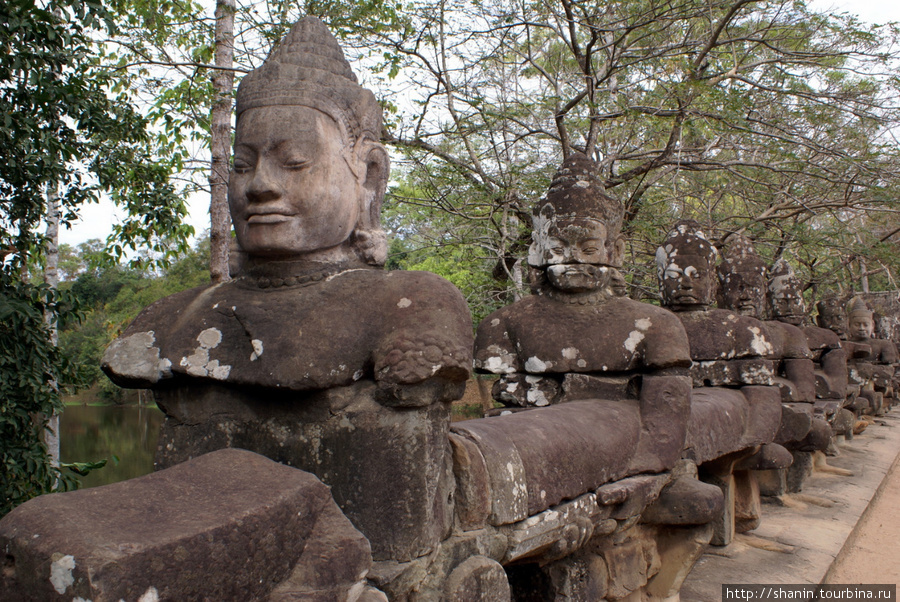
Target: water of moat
{"points": [[93, 432]]}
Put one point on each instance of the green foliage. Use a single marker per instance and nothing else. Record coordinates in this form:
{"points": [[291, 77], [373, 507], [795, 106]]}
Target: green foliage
{"points": [[32, 370], [63, 131]]}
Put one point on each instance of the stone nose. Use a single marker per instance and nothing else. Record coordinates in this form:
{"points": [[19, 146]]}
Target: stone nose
{"points": [[263, 186]]}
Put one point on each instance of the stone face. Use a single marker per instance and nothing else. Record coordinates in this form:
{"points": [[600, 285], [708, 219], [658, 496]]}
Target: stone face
{"points": [[228, 525]]}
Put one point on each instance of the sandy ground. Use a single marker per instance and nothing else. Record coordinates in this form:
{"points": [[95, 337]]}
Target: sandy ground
{"points": [[872, 552]]}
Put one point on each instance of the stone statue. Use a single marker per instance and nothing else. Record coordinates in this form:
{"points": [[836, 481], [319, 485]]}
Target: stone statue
{"points": [[734, 407], [596, 389], [874, 371], [833, 315], [313, 355]]}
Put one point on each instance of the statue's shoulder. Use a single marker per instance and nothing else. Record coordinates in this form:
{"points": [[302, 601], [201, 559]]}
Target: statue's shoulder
{"points": [[821, 338], [169, 310], [660, 332], [789, 340]]}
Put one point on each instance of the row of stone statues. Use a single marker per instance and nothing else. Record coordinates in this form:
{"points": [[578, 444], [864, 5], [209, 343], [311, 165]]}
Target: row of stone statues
{"points": [[629, 437]]}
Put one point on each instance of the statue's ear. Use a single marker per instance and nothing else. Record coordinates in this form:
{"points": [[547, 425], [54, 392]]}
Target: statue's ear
{"points": [[617, 251], [377, 165]]}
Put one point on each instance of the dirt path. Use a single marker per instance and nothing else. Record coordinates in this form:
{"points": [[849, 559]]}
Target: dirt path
{"points": [[872, 552]]}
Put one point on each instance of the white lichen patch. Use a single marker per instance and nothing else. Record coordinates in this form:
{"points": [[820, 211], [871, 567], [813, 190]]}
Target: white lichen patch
{"points": [[534, 364], [404, 303], [643, 324], [537, 397], [137, 357], [61, 570], [199, 364], [495, 322], [257, 349], [210, 338], [634, 338], [570, 353], [759, 344], [498, 364], [357, 375], [581, 364]]}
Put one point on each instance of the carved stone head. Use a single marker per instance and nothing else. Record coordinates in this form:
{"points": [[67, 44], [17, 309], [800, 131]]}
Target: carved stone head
{"points": [[577, 240], [833, 315], [742, 279], [309, 174], [684, 266], [860, 320], [785, 294]]}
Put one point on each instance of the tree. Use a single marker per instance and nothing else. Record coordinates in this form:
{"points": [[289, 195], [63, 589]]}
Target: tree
{"points": [[768, 118], [61, 130]]}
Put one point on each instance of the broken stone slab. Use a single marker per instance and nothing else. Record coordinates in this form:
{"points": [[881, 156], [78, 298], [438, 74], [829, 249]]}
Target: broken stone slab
{"points": [[341, 435], [226, 526]]}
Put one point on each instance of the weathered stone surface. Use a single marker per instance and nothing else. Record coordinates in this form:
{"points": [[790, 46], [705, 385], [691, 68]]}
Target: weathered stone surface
{"points": [[799, 471], [723, 529], [796, 420], [716, 428], [685, 501], [229, 525], [339, 435], [679, 549], [720, 334], [770, 456], [578, 577], [733, 373], [764, 414], [231, 333], [628, 565], [538, 458], [473, 489], [477, 579], [618, 336], [629, 497], [747, 508], [742, 278], [557, 532]]}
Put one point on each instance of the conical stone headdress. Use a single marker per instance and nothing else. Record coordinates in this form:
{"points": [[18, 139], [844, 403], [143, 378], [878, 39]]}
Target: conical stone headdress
{"points": [[685, 238], [782, 276], [307, 68], [858, 308], [740, 258], [575, 192]]}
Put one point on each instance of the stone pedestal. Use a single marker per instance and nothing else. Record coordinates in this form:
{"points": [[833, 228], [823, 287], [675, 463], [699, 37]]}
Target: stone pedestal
{"points": [[389, 468]]}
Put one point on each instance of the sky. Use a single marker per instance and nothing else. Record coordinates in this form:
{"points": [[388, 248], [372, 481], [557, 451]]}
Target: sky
{"points": [[96, 220]]}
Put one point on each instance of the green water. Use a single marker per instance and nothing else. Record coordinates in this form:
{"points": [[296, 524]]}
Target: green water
{"points": [[90, 433]]}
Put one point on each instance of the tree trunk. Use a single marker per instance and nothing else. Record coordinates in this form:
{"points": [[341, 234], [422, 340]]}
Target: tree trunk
{"points": [[51, 278], [220, 142]]}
